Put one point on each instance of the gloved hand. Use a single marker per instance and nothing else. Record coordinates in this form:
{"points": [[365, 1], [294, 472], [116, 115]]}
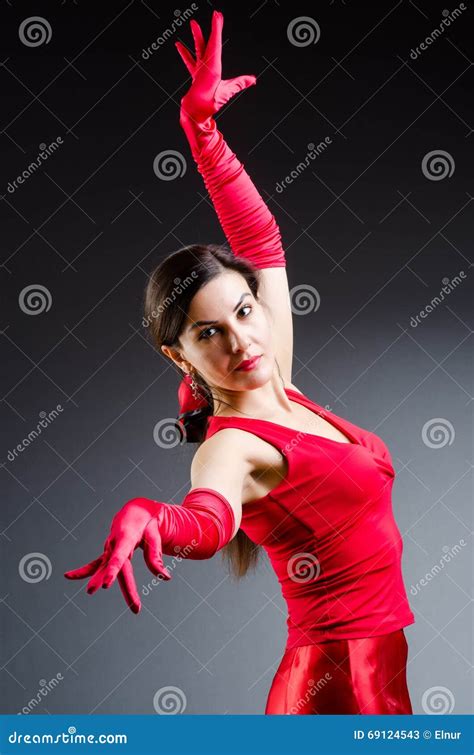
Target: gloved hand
{"points": [[196, 529], [133, 526], [208, 92]]}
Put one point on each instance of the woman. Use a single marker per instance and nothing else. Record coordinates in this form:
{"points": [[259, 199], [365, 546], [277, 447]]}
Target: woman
{"points": [[273, 468]]}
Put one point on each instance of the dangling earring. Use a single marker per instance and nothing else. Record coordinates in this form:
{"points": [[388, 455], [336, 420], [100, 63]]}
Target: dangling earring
{"points": [[194, 387]]}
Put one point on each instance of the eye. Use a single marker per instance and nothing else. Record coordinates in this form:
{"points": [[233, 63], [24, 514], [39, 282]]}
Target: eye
{"points": [[246, 306], [204, 334]]}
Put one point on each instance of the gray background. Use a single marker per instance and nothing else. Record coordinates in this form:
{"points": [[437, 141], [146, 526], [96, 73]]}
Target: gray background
{"points": [[362, 224]]}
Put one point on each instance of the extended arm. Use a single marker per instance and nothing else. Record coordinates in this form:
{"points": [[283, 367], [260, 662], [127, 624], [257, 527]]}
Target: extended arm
{"points": [[207, 519]]}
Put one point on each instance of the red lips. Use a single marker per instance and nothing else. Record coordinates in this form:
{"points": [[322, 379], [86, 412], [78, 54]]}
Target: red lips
{"points": [[248, 364]]}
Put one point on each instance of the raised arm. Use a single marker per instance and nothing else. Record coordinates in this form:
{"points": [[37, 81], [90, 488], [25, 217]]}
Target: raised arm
{"points": [[206, 520], [249, 226]]}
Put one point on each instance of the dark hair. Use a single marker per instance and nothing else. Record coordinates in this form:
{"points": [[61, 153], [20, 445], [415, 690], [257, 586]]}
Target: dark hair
{"points": [[170, 289]]}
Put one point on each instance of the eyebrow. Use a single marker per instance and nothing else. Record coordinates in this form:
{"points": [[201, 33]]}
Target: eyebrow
{"points": [[213, 322]]}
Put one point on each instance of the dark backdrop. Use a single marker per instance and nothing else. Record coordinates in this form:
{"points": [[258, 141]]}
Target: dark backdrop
{"points": [[374, 227]]}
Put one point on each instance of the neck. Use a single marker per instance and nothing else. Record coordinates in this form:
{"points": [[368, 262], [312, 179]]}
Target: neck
{"points": [[258, 402]]}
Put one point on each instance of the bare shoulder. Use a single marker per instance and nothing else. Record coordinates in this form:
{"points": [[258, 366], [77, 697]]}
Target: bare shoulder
{"points": [[219, 449], [223, 463]]}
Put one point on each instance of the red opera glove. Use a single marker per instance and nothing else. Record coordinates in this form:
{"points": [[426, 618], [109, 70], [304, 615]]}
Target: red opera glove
{"points": [[196, 529], [247, 222]]}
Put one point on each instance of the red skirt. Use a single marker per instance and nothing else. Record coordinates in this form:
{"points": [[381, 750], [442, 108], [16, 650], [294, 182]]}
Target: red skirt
{"points": [[363, 676]]}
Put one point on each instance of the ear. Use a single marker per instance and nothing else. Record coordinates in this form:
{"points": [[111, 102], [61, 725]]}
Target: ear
{"points": [[175, 356]]}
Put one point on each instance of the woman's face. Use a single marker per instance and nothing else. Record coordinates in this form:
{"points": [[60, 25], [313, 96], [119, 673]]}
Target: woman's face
{"points": [[236, 328]]}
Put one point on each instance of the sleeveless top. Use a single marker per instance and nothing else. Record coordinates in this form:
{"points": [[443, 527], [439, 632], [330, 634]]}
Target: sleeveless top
{"points": [[328, 529]]}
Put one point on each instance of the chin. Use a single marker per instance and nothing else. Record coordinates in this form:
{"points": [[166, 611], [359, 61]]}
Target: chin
{"points": [[255, 378]]}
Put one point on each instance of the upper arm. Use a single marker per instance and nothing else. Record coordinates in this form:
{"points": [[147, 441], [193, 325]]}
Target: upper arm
{"points": [[274, 291], [221, 464]]}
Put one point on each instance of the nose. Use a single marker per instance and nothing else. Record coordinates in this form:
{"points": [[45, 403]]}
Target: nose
{"points": [[238, 340]]}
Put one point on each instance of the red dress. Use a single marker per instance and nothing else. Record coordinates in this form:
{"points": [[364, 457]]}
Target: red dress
{"points": [[329, 532]]}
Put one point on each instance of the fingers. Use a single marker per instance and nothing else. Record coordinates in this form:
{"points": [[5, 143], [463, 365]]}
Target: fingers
{"points": [[84, 571], [112, 562], [248, 81], [213, 52], [227, 88], [128, 586], [153, 551], [115, 561], [234, 86], [186, 56], [96, 581], [199, 41]]}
